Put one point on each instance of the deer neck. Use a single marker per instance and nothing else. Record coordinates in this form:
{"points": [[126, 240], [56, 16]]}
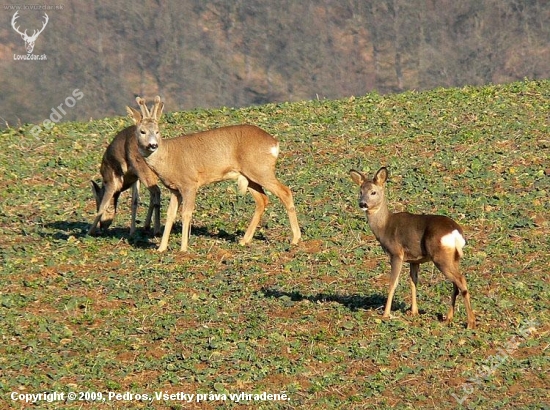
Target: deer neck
{"points": [[164, 166], [157, 159], [157, 163], [378, 219]]}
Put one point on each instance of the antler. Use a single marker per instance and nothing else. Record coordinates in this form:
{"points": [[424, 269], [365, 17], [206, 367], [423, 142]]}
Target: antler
{"points": [[15, 17], [155, 110], [35, 32], [156, 107], [144, 110]]}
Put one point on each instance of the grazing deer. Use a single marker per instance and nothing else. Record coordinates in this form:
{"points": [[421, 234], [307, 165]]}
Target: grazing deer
{"points": [[123, 167], [414, 239], [185, 163]]}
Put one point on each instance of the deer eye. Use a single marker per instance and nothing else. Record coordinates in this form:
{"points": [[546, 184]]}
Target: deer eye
{"points": [[373, 193], [143, 132]]}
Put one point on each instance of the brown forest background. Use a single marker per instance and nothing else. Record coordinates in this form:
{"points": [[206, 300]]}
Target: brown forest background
{"points": [[198, 53]]}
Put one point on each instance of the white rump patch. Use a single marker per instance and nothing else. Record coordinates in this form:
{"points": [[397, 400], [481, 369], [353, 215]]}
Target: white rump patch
{"points": [[453, 240], [274, 150]]}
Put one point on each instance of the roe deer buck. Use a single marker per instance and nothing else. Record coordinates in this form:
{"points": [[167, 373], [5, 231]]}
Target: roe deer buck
{"points": [[185, 163], [415, 239], [123, 167]]}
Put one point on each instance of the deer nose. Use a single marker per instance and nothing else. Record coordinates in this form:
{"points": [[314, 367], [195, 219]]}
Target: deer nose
{"points": [[363, 205], [152, 146]]}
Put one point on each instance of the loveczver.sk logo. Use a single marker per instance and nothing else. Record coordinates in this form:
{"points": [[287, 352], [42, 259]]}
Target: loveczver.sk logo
{"points": [[29, 39]]}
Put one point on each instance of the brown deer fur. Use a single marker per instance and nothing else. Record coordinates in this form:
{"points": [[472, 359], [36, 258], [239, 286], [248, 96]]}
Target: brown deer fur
{"points": [[123, 167], [415, 239], [185, 163]]}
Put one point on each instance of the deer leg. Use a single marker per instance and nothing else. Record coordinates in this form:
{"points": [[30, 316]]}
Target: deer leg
{"points": [[285, 195], [261, 200], [155, 199], [171, 212], [149, 217], [415, 267], [396, 264], [451, 312], [450, 270], [186, 214], [104, 204], [147, 224], [93, 228], [466, 296], [154, 203], [135, 204]]}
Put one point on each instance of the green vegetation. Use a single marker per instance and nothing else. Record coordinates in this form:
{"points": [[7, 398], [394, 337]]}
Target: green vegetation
{"points": [[109, 314]]}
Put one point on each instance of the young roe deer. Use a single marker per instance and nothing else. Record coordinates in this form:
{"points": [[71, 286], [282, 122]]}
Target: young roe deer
{"points": [[185, 163], [123, 167], [415, 239]]}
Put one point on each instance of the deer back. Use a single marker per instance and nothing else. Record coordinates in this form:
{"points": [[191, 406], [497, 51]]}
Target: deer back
{"points": [[215, 155], [416, 237]]}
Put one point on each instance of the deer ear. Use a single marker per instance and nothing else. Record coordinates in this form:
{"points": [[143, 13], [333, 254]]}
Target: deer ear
{"points": [[357, 177], [134, 114], [96, 190], [381, 176]]}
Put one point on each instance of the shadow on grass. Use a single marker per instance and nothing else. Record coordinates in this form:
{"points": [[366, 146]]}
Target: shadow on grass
{"points": [[221, 234], [79, 230], [65, 229], [141, 239], [353, 302]]}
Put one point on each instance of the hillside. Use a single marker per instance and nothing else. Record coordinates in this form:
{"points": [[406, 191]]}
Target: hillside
{"points": [[109, 314], [209, 54]]}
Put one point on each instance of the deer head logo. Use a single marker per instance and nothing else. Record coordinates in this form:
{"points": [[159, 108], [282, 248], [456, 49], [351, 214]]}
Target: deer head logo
{"points": [[29, 40]]}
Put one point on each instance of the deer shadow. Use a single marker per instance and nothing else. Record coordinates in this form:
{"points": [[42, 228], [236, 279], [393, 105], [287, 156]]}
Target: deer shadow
{"points": [[206, 232], [353, 302], [66, 229], [141, 238]]}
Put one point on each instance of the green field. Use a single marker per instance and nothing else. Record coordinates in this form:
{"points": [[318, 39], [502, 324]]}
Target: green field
{"points": [[109, 314]]}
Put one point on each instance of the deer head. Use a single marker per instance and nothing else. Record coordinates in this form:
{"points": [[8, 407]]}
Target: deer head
{"points": [[371, 194], [148, 134], [29, 40]]}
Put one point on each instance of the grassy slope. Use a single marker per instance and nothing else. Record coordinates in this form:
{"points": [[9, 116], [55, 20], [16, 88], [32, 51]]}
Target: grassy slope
{"points": [[109, 314]]}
